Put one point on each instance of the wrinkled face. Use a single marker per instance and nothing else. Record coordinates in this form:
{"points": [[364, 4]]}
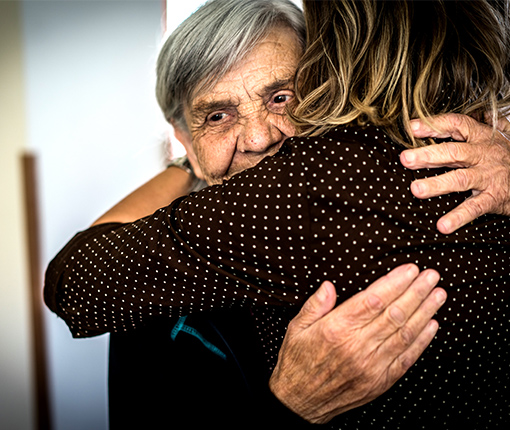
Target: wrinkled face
{"points": [[242, 119]]}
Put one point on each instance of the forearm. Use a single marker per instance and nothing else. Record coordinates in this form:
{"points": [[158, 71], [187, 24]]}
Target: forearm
{"points": [[116, 277], [160, 191]]}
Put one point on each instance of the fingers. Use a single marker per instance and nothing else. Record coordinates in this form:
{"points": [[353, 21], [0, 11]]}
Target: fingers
{"points": [[401, 310], [484, 156], [407, 315], [317, 306], [405, 360], [452, 181], [413, 329], [461, 128], [466, 212], [359, 349], [458, 127], [407, 335], [367, 305], [484, 199], [448, 154]]}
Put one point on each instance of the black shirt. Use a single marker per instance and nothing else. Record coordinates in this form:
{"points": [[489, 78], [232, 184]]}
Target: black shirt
{"points": [[333, 208]]}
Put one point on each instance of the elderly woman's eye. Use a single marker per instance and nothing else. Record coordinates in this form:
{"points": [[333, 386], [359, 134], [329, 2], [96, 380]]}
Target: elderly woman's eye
{"points": [[279, 101], [281, 98], [215, 117]]}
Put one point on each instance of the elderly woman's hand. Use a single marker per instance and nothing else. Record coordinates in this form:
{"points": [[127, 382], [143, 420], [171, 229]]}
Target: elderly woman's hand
{"points": [[484, 161], [333, 360]]}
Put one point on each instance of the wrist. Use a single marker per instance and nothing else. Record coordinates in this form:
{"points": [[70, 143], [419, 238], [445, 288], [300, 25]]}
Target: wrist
{"points": [[281, 408], [183, 164]]}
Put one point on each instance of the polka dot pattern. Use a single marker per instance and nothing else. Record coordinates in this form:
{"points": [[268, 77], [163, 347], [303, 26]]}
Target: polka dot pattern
{"points": [[338, 208]]}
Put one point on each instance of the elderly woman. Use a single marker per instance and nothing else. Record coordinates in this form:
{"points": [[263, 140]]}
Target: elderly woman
{"points": [[337, 207]]}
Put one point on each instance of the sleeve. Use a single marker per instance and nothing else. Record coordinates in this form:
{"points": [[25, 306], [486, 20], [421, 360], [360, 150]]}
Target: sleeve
{"points": [[241, 243]]}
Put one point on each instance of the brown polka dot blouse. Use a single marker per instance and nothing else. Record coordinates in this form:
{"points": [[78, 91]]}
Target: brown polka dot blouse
{"points": [[332, 208]]}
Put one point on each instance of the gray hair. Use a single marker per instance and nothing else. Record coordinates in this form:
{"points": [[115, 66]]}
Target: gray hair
{"points": [[210, 42]]}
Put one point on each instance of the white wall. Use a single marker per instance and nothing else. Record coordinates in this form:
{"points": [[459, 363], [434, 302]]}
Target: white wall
{"points": [[96, 127], [16, 386]]}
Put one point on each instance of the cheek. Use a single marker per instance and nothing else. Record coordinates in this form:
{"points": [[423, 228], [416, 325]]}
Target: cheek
{"points": [[215, 154], [285, 126]]}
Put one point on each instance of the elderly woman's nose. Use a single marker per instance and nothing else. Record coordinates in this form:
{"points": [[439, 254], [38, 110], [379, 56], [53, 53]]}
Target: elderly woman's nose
{"points": [[258, 135]]}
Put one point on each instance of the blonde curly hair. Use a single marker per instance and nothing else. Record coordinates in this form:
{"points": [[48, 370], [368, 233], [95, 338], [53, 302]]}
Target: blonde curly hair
{"points": [[387, 62]]}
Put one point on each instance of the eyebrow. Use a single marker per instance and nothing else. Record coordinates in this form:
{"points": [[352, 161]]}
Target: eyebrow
{"points": [[203, 108], [276, 86]]}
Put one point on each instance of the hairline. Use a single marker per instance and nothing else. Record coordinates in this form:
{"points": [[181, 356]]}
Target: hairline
{"points": [[180, 78]]}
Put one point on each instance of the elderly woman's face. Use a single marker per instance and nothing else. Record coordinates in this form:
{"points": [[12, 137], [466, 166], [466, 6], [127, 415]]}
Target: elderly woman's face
{"points": [[242, 119]]}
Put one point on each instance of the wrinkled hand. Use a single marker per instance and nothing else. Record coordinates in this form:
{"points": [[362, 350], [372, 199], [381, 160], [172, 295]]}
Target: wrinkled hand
{"points": [[484, 159], [335, 360]]}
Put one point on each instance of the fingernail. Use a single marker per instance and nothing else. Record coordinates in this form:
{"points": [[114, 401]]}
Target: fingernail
{"points": [[418, 188], [432, 327], [441, 297], [415, 125], [409, 156], [322, 293], [444, 226], [433, 277], [412, 268]]}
